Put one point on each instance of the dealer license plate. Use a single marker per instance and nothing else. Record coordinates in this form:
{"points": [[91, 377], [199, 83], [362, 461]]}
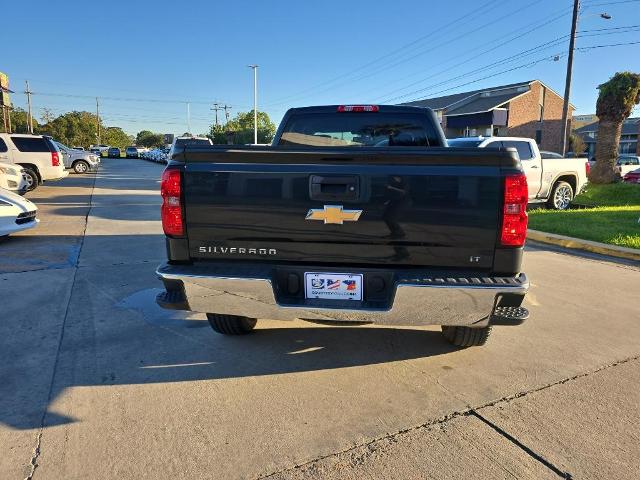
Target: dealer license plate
{"points": [[333, 286]]}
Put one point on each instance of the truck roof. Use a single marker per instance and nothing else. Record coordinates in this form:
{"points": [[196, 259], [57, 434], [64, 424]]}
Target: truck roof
{"points": [[381, 108]]}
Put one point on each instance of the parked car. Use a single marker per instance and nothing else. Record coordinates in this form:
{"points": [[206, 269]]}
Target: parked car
{"points": [[627, 163], [38, 155], [12, 178], [113, 152], [408, 233], [632, 176], [131, 152], [16, 213], [554, 181], [102, 149], [78, 160]]}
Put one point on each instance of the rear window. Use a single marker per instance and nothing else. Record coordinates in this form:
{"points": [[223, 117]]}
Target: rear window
{"points": [[359, 130], [524, 149], [31, 144], [181, 142], [464, 143]]}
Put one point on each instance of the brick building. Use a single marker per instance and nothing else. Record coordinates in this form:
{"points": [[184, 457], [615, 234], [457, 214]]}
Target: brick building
{"points": [[527, 109]]}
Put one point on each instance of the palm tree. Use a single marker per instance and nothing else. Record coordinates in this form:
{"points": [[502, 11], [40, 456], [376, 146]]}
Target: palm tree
{"points": [[616, 100]]}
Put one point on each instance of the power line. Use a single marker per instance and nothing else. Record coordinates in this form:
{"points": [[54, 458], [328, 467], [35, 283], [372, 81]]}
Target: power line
{"points": [[517, 56], [483, 8], [591, 47], [431, 48], [518, 34], [535, 62], [602, 4]]}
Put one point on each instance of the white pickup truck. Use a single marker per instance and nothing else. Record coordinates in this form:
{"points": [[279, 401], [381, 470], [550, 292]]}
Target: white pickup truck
{"points": [[554, 181]]}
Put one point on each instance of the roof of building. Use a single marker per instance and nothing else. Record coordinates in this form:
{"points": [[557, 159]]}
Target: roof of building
{"points": [[476, 101], [482, 104], [438, 103], [630, 126]]}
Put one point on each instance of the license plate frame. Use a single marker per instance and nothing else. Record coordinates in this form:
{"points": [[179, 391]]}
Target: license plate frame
{"points": [[333, 286]]}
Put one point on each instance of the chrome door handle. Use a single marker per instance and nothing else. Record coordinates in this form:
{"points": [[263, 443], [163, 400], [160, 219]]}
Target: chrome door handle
{"points": [[534, 166]]}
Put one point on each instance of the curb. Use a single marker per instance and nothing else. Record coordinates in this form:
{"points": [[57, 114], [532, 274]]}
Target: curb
{"points": [[588, 245]]}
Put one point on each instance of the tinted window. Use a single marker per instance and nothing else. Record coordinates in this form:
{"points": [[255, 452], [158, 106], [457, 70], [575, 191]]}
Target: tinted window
{"points": [[464, 143], [3, 146], [181, 142], [30, 144], [524, 149], [359, 130]]}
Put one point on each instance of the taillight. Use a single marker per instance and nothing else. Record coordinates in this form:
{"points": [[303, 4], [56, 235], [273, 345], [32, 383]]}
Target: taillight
{"points": [[514, 215], [170, 189], [587, 168], [55, 159], [358, 108]]}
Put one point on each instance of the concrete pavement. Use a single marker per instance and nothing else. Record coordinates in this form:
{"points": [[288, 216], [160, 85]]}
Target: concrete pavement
{"points": [[99, 382]]}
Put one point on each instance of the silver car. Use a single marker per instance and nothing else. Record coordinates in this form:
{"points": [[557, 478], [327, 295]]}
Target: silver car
{"points": [[78, 160]]}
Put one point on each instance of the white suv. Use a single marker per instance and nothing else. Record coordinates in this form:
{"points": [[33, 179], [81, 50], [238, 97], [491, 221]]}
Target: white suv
{"points": [[37, 154]]}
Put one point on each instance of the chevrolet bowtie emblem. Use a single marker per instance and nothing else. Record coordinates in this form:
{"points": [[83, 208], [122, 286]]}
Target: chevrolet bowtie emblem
{"points": [[333, 214]]}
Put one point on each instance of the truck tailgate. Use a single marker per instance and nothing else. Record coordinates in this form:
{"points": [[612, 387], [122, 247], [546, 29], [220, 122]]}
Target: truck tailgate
{"points": [[435, 209]]}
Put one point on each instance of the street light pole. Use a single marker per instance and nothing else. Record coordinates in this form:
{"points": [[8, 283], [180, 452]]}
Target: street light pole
{"points": [[567, 85], [255, 103]]}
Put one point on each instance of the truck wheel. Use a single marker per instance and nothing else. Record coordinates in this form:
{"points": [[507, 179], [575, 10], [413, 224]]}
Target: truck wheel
{"points": [[231, 324], [80, 166], [561, 196], [466, 336], [32, 179]]}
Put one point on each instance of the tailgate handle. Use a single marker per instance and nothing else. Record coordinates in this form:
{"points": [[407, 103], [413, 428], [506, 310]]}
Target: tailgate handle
{"points": [[334, 187]]}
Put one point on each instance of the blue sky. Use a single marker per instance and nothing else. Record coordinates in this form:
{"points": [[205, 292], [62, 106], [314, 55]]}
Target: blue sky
{"points": [[145, 59]]}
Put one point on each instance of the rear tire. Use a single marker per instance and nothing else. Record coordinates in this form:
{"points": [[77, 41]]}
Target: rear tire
{"points": [[231, 324], [33, 179], [561, 196], [466, 336]]}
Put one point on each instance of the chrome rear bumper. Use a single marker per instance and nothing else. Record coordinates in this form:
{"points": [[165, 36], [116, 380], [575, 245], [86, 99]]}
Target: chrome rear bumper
{"points": [[417, 299]]}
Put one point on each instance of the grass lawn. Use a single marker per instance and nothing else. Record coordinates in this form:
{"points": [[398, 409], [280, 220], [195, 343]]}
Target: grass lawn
{"points": [[613, 217]]}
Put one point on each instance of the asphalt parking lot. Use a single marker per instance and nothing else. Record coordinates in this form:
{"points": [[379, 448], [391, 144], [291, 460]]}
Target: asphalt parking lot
{"points": [[99, 382]]}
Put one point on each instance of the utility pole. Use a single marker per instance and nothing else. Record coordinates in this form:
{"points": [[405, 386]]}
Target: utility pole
{"points": [[216, 108], [226, 113], [189, 117], [255, 102], [98, 121], [30, 118], [567, 84]]}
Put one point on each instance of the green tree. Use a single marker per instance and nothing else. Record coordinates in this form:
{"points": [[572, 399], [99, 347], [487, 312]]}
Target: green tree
{"points": [[19, 121], [616, 100], [72, 128], [577, 144], [146, 138], [241, 127], [217, 134], [116, 137]]}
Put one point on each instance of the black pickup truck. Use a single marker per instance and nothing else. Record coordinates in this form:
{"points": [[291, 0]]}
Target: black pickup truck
{"points": [[356, 214]]}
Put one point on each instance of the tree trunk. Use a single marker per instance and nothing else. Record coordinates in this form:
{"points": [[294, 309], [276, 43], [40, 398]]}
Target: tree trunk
{"points": [[605, 170]]}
